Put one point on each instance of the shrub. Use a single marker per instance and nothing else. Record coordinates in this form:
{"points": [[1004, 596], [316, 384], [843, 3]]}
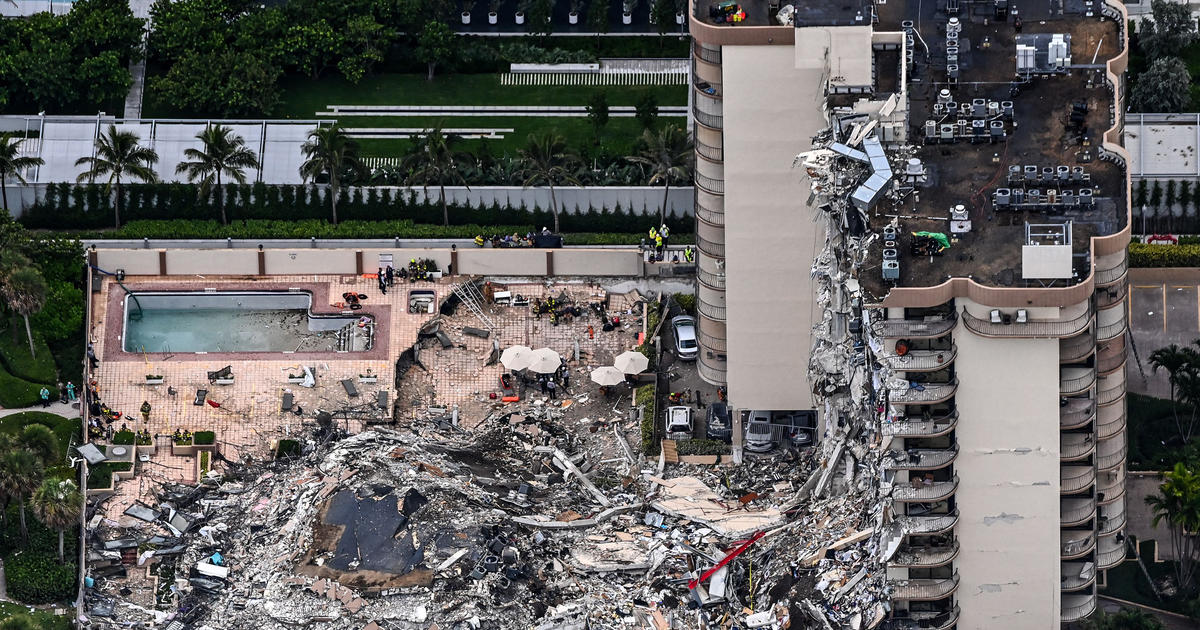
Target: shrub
{"points": [[686, 301], [287, 448], [702, 447], [15, 354], [100, 475], [644, 398], [204, 437], [1143, 255], [205, 457], [16, 392], [36, 577], [123, 437]]}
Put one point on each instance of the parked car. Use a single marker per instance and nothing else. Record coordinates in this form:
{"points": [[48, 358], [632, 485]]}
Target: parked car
{"points": [[802, 427], [758, 432], [679, 423], [718, 425], [686, 347]]}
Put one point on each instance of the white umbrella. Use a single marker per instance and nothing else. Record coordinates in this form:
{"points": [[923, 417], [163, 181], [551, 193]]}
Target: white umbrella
{"points": [[607, 376], [631, 362], [516, 357], [545, 361]]}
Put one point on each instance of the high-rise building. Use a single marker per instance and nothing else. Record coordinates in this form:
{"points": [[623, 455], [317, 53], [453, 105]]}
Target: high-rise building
{"points": [[963, 181]]}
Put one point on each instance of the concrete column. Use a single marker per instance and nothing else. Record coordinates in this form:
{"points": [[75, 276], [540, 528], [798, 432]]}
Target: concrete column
{"points": [[162, 262], [358, 262], [549, 262], [262, 263]]}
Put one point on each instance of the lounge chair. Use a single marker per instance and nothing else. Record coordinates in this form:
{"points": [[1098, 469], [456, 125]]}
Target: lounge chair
{"points": [[201, 394], [348, 385], [286, 405]]}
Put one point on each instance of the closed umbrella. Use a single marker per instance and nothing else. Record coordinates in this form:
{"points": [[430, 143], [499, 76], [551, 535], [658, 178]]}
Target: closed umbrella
{"points": [[607, 376], [631, 362], [545, 361], [516, 357]]}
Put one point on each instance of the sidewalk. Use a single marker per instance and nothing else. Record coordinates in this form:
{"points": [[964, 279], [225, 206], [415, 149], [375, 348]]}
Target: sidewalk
{"points": [[63, 409]]}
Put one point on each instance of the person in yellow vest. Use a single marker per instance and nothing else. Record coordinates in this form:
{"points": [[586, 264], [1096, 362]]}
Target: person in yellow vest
{"points": [[478, 240], [658, 246], [689, 254], [665, 232], [653, 234]]}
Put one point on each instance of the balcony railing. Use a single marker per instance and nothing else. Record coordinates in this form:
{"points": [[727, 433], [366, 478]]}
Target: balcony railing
{"points": [[919, 458], [921, 428], [921, 360], [1076, 511], [712, 342], [923, 589], [1110, 458], [711, 311], [711, 370], [1076, 607], [1074, 446], [1076, 544], [710, 184], [713, 153], [1110, 486], [1107, 362], [927, 491], [716, 250], [1109, 296], [928, 328], [922, 620], [1077, 575], [927, 525], [1110, 553], [709, 215], [1111, 331], [707, 87], [712, 121], [924, 393], [1107, 428], [1075, 380], [711, 280], [1112, 523], [1105, 277], [711, 56], [1075, 348], [1032, 328], [1076, 413], [925, 557], [1111, 394], [1076, 478]]}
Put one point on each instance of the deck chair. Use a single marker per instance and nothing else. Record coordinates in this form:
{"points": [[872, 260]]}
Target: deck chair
{"points": [[348, 385], [381, 399], [286, 405], [225, 372], [201, 394]]}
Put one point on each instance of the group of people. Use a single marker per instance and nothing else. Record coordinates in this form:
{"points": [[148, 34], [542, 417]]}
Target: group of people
{"points": [[510, 240], [66, 394], [551, 383], [557, 308], [660, 237]]}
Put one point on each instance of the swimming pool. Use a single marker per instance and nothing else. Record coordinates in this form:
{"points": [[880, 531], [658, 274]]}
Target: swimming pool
{"points": [[226, 321]]}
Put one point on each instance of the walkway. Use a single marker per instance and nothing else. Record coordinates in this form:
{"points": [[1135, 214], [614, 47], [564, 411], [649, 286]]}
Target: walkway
{"points": [[133, 100], [506, 111], [63, 409]]}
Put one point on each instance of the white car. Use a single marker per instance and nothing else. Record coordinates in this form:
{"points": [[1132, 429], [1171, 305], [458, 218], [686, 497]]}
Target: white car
{"points": [[758, 432], [679, 423], [686, 347]]}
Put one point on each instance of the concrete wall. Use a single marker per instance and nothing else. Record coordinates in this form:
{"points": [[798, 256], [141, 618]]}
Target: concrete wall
{"points": [[1008, 493], [500, 261], [134, 261], [228, 262], [305, 261], [597, 262]]}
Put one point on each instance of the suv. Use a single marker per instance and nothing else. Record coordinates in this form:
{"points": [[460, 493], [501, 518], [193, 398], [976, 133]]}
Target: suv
{"points": [[758, 432], [686, 347], [679, 423], [718, 426]]}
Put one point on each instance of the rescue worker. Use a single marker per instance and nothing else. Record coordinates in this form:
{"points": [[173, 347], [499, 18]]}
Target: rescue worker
{"points": [[653, 233], [665, 232], [146, 411], [689, 254], [478, 240], [658, 247]]}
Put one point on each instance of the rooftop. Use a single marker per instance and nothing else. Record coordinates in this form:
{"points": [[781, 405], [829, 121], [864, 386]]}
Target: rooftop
{"points": [[764, 12]]}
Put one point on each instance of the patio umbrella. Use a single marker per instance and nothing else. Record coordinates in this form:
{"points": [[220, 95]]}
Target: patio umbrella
{"points": [[607, 376], [516, 357], [631, 362], [545, 361]]}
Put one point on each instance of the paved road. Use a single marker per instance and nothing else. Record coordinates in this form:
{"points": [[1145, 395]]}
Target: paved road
{"points": [[1164, 308]]}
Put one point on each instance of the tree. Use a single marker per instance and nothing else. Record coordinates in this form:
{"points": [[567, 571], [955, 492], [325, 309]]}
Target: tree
{"points": [[223, 153], [21, 621], [663, 12], [539, 17], [57, 503], [62, 315], [434, 46], [1125, 619], [1167, 30], [118, 154], [1140, 193], [646, 111], [597, 18], [24, 291], [40, 440], [667, 155], [436, 161], [12, 163], [597, 112], [1170, 203], [1185, 198], [1178, 504], [1182, 366], [1156, 198], [1163, 88], [20, 474], [331, 153], [546, 160]]}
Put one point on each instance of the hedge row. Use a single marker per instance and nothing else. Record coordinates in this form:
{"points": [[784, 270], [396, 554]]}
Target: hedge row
{"points": [[16, 392], [1143, 255], [87, 206], [644, 398]]}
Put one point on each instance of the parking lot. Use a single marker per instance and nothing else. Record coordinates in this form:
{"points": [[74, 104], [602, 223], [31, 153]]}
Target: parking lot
{"points": [[1164, 309]]}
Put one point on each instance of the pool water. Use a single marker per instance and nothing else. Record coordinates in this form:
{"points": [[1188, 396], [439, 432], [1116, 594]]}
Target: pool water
{"points": [[236, 322]]}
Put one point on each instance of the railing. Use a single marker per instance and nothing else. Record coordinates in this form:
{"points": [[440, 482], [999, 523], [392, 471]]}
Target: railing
{"points": [[1076, 446], [708, 215], [1072, 580], [1074, 481], [920, 459], [716, 250], [1111, 394], [1075, 348], [935, 491], [921, 360], [921, 428], [1111, 460], [914, 328], [1105, 277], [713, 153], [711, 311], [920, 620], [1111, 553], [925, 525], [1111, 362], [711, 342], [710, 373], [710, 184], [929, 393], [923, 589], [925, 557], [711, 56], [1075, 415], [1111, 331], [1111, 485], [1112, 524], [1068, 385], [1078, 607], [1031, 328], [712, 121], [1076, 547], [1111, 295], [697, 81], [1076, 511], [710, 279], [1108, 428]]}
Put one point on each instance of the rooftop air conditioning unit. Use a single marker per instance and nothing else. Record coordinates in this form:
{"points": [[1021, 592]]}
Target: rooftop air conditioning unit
{"points": [[891, 270], [995, 316], [1022, 316]]}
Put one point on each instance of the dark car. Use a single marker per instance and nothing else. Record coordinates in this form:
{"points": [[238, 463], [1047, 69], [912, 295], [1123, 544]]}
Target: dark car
{"points": [[802, 428], [719, 426]]}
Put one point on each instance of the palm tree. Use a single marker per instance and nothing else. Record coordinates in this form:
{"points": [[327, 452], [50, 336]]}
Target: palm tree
{"points": [[330, 152], [20, 621], [39, 440], [20, 474], [25, 292], [1183, 367], [57, 504], [223, 153], [11, 165], [667, 155], [435, 161], [1125, 619], [547, 160], [118, 154], [1178, 503]]}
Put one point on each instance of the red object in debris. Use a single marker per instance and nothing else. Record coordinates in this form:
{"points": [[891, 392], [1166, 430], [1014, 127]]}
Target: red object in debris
{"points": [[511, 399], [724, 561], [213, 402], [492, 395]]}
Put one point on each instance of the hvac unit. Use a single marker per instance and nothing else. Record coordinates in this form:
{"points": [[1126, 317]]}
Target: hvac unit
{"points": [[1015, 174], [1007, 108], [1002, 198], [891, 254], [944, 97], [891, 270]]}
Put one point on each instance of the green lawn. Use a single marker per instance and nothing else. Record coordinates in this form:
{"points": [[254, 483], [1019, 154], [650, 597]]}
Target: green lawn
{"points": [[65, 429], [1154, 442], [1126, 581], [45, 620], [14, 352]]}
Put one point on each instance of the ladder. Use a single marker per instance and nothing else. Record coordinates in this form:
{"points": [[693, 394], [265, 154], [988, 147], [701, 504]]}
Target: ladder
{"points": [[469, 293]]}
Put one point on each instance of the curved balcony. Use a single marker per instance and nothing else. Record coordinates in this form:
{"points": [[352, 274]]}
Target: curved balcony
{"points": [[1078, 412], [711, 311], [1075, 349], [1111, 360], [709, 215], [1076, 478], [1113, 329], [712, 121], [1112, 275], [1076, 543], [919, 458], [922, 620], [1110, 453], [927, 525], [923, 589], [1074, 380], [716, 250], [1076, 607], [1108, 427], [707, 152], [924, 393], [931, 327], [1112, 518], [711, 370], [711, 89], [1074, 512], [710, 184], [711, 342], [921, 428], [1077, 575], [711, 280], [706, 54], [1112, 394], [1033, 328], [1110, 552], [921, 360], [926, 492], [1109, 296], [1076, 446], [1110, 487], [925, 557]]}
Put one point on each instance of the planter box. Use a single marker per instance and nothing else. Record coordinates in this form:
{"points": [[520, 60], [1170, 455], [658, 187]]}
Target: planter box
{"points": [[147, 449], [573, 17], [493, 18], [223, 381], [183, 449], [627, 18], [295, 380], [680, 19], [466, 17], [520, 18], [368, 379], [155, 381]]}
